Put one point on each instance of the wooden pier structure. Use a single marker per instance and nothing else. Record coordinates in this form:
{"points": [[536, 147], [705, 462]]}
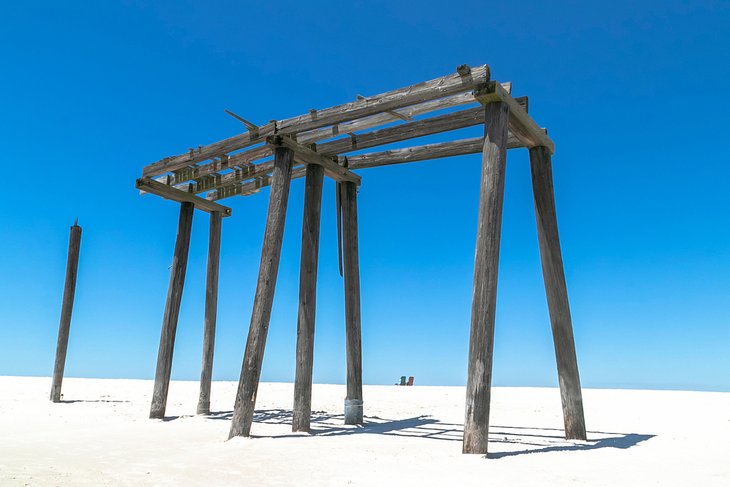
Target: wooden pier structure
{"points": [[321, 143]]}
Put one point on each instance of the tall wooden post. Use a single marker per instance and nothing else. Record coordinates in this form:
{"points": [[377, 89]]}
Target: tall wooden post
{"points": [[211, 307], [354, 400], [307, 298], [486, 262], [264, 298], [69, 290], [557, 294], [172, 310]]}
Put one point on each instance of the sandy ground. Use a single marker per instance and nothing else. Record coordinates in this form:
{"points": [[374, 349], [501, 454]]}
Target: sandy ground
{"points": [[101, 435]]}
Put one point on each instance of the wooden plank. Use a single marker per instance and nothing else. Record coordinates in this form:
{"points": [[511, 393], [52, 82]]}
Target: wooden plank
{"points": [[520, 124], [172, 311], [307, 298], [69, 290], [351, 261], [486, 263], [305, 155], [264, 297], [557, 293], [170, 193], [392, 100], [211, 309]]}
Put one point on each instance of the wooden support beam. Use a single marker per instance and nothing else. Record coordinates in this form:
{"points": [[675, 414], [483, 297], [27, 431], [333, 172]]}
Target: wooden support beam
{"points": [[204, 177], [392, 100], [172, 311], [557, 293], [405, 131], [354, 399], [486, 263], [305, 155], [264, 297], [521, 124], [170, 193], [422, 153], [198, 173], [211, 308], [373, 159], [69, 290], [307, 298]]}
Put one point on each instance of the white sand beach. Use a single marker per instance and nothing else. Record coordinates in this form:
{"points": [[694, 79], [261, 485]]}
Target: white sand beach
{"points": [[101, 435]]}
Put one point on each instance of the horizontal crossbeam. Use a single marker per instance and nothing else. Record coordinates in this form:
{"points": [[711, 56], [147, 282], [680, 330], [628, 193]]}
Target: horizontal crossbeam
{"points": [[168, 192], [423, 153], [374, 159], [392, 100]]}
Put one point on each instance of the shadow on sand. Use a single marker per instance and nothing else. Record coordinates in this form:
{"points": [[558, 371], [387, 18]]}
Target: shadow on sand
{"points": [[71, 401], [516, 440]]}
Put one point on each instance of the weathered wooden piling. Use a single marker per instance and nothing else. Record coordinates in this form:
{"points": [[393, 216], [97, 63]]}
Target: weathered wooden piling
{"points": [[172, 311], [211, 308], [557, 293], [264, 297], [354, 399], [307, 298], [69, 290], [486, 264]]}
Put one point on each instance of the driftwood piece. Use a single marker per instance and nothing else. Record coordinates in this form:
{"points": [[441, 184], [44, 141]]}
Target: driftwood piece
{"points": [[211, 308], [172, 311], [557, 293], [307, 298], [486, 263], [264, 297], [69, 290]]}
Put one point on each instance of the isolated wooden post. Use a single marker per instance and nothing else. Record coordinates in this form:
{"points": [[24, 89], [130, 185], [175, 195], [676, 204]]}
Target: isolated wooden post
{"points": [[69, 289], [486, 263], [264, 298], [211, 307], [307, 298], [353, 401], [557, 294], [172, 310]]}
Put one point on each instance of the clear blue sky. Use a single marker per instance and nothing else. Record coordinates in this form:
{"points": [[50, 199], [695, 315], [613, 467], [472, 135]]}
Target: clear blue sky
{"points": [[633, 93]]}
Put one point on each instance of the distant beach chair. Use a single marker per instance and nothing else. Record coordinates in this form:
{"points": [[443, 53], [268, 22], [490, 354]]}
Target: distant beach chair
{"points": [[402, 380], [410, 381]]}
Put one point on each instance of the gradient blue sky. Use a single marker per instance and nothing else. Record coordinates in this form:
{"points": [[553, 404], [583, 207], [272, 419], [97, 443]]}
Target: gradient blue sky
{"points": [[633, 93]]}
